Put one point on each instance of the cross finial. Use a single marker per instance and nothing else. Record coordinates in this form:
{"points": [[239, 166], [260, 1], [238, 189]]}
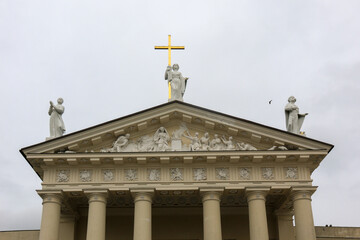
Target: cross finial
{"points": [[169, 48]]}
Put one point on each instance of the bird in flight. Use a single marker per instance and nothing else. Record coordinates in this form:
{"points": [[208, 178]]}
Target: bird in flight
{"points": [[270, 101]]}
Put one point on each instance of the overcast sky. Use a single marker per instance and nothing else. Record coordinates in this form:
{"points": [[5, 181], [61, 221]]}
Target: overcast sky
{"points": [[99, 56]]}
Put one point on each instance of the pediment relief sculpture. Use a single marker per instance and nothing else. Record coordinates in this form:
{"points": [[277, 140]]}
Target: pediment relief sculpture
{"points": [[181, 140]]}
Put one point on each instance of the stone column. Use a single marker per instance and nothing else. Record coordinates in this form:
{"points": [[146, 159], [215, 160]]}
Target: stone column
{"points": [[97, 214], [211, 213], [67, 227], [257, 214], [285, 224], [50, 219], [142, 214], [304, 222]]}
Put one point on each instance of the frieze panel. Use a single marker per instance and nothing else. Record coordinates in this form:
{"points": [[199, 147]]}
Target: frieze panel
{"points": [[108, 175], [176, 174], [245, 173], [291, 173], [267, 173], [85, 175], [63, 175], [153, 174], [199, 174], [131, 174], [222, 173]]}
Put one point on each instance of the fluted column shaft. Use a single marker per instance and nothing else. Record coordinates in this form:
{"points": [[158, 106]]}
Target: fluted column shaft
{"points": [[50, 219], [304, 221], [97, 215], [142, 215], [257, 215], [211, 215]]}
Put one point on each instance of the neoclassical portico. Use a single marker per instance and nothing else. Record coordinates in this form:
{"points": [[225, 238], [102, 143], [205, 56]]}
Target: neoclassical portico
{"points": [[177, 171], [300, 198]]}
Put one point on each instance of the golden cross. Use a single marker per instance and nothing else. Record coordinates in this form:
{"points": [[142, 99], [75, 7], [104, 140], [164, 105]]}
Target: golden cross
{"points": [[169, 48]]}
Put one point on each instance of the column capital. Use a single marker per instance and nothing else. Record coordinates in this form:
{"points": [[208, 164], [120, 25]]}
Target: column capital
{"points": [[97, 195], [256, 193], [302, 193], [51, 196], [211, 194], [142, 194]]}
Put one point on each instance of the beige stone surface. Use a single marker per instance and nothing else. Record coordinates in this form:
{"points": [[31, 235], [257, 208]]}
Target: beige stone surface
{"points": [[20, 235]]}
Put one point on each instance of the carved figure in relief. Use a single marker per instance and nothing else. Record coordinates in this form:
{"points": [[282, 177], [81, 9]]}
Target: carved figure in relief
{"points": [[215, 144], [246, 147], [267, 173], [205, 142], [63, 176], [176, 174], [274, 148], [161, 139], [294, 120], [85, 176], [108, 175], [177, 82], [121, 143], [57, 126], [199, 174], [228, 143], [195, 141], [130, 174]]}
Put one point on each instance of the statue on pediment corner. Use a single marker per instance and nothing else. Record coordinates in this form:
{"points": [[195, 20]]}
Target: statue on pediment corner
{"points": [[294, 120], [57, 126]]}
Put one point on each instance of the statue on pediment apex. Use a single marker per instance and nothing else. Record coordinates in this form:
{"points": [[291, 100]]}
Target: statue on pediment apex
{"points": [[177, 82]]}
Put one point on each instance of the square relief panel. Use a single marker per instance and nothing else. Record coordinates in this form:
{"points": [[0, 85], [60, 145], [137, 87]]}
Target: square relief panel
{"points": [[108, 175], [153, 174], [199, 174], [291, 173], [176, 174], [222, 173], [245, 173], [131, 174], [267, 173], [85, 175], [63, 175]]}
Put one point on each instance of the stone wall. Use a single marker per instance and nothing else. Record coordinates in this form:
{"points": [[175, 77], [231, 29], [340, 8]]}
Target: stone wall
{"points": [[20, 235], [337, 233]]}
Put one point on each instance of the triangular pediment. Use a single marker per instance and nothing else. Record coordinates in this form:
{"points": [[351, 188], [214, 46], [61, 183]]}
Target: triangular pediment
{"points": [[177, 122]]}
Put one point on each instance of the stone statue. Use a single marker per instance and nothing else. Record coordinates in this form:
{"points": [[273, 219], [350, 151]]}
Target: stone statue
{"points": [[121, 143], [195, 141], [215, 144], [205, 141], [177, 82], [294, 120], [57, 127], [161, 140], [228, 143], [246, 147]]}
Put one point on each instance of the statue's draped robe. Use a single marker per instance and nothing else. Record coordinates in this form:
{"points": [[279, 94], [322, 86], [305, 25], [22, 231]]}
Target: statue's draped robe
{"points": [[177, 86], [294, 120], [57, 126]]}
